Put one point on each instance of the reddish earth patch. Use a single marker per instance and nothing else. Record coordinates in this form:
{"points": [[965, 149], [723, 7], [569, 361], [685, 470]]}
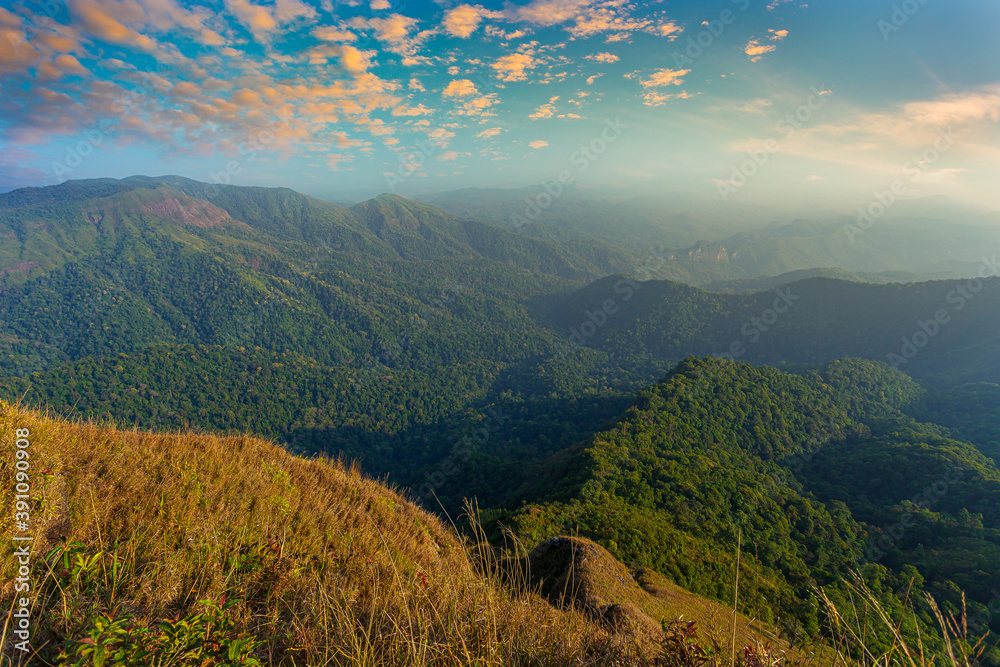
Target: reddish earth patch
{"points": [[20, 267], [191, 211]]}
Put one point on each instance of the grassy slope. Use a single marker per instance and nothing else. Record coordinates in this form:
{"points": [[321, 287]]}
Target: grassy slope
{"points": [[315, 563]]}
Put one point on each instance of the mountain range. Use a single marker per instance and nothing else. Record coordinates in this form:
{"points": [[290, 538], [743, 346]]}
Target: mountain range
{"points": [[572, 382]]}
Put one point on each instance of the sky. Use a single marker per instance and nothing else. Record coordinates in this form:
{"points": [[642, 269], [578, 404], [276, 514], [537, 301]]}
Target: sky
{"points": [[771, 101]]}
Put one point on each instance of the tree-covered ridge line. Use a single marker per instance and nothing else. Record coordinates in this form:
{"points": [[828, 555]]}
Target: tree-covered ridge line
{"points": [[822, 474]]}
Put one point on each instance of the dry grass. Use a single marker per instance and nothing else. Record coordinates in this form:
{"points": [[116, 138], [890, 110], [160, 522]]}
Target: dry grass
{"points": [[186, 549], [308, 561], [855, 629]]}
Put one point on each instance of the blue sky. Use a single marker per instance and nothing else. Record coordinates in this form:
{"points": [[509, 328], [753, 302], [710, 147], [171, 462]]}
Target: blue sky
{"points": [[770, 100]]}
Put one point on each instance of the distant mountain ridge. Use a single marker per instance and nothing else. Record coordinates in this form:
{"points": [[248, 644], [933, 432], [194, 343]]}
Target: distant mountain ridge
{"points": [[708, 243]]}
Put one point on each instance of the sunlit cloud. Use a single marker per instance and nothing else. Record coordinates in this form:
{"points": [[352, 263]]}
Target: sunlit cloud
{"points": [[459, 88], [514, 67], [463, 20], [756, 48], [665, 77], [546, 110], [603, 57]]}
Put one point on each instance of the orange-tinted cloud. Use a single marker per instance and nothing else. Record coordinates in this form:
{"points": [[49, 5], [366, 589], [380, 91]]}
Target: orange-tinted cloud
{"points": [[603, 57], [756, 48], [547, 110], [103, 24], [514, 66], [459, 88], [665, 77], [463, 20]]}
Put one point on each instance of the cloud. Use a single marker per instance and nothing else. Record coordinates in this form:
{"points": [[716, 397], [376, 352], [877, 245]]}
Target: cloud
{"points": [[665, 77], [514, 66], [333, 160], [447, 156], [550, 12], [166, 15], [463, 20], [378, 5], [477, 106], [103, 25], [966, 116], [669, 29], [586, 18], [538, 144], [603, 57], [394, 31], [353, 60], [960, 126], [656, 99], [459, 88], [546, 110], [592, 79], [258, 20], [406, 110], [756, 48], [488, 133], [332, 34], [755, 106], [416, 85], [17, 54], [494, 31]]}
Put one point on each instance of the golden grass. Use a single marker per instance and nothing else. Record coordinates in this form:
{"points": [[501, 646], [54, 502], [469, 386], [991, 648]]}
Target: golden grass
{"points": [[188, 549], [316, 564], [854, 631]]}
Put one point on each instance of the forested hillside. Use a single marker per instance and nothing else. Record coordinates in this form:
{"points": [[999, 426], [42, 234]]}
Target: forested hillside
{"points": [[552, 381], [392, 331], [815, 476]]}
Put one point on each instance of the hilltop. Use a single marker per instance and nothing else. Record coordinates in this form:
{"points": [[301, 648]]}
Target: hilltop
{"points": [[193, 546]]}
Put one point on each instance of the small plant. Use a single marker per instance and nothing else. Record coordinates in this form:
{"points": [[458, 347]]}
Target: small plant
{"points": [[680, 646], [206, 638]]}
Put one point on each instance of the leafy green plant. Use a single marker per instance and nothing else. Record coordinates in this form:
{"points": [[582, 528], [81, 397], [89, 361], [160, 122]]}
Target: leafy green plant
{"points": [[209, 637]]}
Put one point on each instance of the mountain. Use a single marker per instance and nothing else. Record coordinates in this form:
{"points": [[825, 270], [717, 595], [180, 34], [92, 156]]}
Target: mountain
{"points": [[636, 222], [932, 330], [394, 333], [761, 283], [707, 243], [551, 381], [721, 453], [385, 328]]}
